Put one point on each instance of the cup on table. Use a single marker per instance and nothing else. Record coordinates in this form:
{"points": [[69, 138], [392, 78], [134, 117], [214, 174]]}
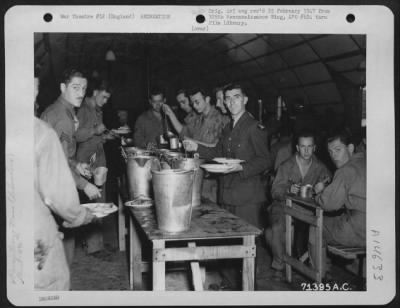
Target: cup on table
{"points": [[100, 175]]}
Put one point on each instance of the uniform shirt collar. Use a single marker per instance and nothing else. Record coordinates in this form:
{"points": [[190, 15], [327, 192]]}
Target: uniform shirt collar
{"points": [[66, 104], [241, 117]]}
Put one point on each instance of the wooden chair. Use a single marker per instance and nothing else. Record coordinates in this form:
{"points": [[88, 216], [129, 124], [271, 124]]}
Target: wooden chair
{"points": [[295, 207]]}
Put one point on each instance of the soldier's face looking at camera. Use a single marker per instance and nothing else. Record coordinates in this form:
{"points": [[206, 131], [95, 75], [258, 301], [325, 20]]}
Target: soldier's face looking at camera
{"points": [[236, 101]]}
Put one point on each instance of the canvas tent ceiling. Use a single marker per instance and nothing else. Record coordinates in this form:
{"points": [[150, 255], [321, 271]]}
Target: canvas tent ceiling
{"points": [[295, 66]]}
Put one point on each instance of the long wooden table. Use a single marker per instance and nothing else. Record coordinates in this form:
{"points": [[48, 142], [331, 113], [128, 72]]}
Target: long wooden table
{"points": [[209, 223]]}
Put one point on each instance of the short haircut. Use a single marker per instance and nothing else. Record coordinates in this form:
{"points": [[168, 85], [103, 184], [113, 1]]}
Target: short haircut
{"points": [[217, 89], [157, 91], [70, 73], [182, 91], [235, 86], [343, 134], [196, 90], [305, 134], [99, 85]]}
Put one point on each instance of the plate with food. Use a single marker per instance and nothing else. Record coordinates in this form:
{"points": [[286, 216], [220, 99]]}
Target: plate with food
{"points": [[140, 203], [229, 161], [101, 209], [216, 168]]}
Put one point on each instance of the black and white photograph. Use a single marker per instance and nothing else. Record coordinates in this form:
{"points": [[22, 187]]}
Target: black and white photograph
{"points": [[216, 155]]}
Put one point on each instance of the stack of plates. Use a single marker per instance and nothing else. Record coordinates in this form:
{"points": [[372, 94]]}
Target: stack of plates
{"points": [[140, 203], [101, 209], [216, 168], [223, 160]]}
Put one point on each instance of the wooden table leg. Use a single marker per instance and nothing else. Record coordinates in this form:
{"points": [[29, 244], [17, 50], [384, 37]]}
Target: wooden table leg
{"points": [[121, 224], [288, 235], [135, 258], [196, 273], [158, 268], [248, 266]]}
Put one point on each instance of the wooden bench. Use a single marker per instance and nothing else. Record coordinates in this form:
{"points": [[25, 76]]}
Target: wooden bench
{"points": [[293, 208], [350, 253]]}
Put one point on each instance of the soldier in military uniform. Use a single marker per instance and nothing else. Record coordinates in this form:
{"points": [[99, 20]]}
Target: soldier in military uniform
{"points": [[62, 118], [182, 97], [206, 128], [241, 189]]}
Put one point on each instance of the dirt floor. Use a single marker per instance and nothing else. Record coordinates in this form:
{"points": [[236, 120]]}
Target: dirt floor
{"points": [[108, 270]]}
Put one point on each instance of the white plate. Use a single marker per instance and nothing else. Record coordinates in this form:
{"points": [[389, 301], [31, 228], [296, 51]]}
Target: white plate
{"points": [[224, 160], [140, 203], [121, 131], [216, 168], [101, 209]]}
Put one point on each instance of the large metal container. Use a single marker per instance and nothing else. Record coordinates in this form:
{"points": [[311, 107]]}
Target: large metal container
{"points": [[136, 151], [193, 164], [139, 169], [170, 159], [173, 190]]}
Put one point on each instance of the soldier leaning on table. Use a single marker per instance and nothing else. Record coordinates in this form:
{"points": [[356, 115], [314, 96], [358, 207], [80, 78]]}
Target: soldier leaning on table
{"points": [[302, 168], [345, 195]]}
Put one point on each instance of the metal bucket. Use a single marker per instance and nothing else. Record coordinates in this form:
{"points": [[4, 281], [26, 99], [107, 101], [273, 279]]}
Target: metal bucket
{"points": [[170, 159], [173, 190], [136, 151], [193, 164], [139, 169]]}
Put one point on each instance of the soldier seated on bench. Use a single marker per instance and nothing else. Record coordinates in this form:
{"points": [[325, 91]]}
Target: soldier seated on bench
{"points": [[346, 192], [300, 169]]}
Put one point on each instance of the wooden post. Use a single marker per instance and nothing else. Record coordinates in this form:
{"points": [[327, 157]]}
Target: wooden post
{"points": [[196, 273], [135, 258], [248, 266], [158, 268], [121, 224]]}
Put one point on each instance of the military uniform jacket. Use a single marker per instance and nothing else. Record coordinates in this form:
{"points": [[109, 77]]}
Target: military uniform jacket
{"points": [[147, 129], [348, 191], [247, 141], [289, 173], [88, 143], [61, 117], [206, 128]]}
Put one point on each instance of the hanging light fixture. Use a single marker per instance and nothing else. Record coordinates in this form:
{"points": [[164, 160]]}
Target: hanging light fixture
{"points": [[110, 56]]}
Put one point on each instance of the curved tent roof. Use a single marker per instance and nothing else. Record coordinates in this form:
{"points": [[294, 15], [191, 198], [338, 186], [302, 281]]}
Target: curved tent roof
{"points": [[298, 67]]}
